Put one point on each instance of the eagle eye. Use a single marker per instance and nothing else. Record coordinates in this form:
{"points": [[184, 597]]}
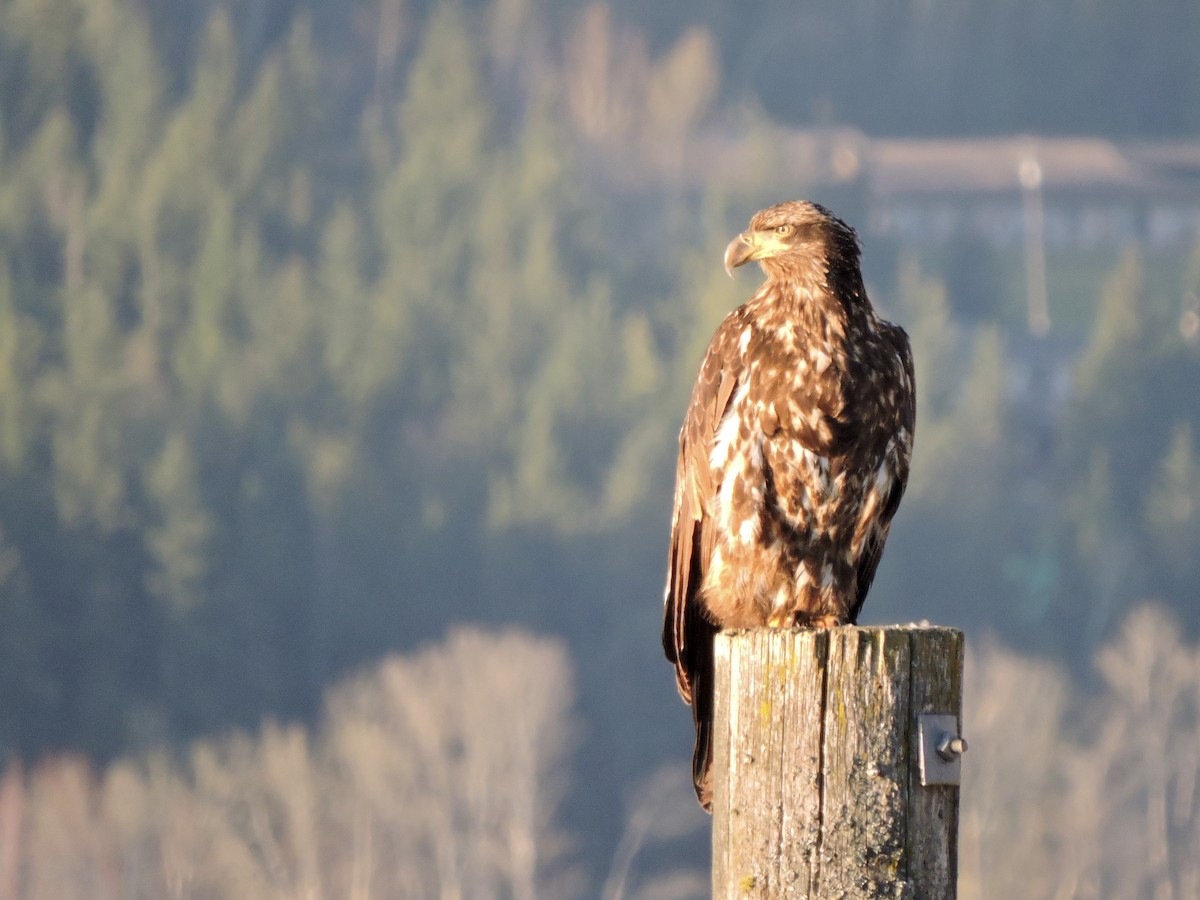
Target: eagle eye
{"points": [[784, 230]]}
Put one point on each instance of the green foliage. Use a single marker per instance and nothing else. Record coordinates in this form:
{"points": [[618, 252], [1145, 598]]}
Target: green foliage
{"points": [[1130, 538], [20, 338], [968, 526], [1172, 505], [952, 67]]}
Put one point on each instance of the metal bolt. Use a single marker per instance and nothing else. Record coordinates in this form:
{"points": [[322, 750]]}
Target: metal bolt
{"points": [[939, 748], [951, 746]]}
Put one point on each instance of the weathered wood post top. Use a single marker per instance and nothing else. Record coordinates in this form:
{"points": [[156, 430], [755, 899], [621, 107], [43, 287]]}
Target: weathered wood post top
{"points": [[835, 762]]}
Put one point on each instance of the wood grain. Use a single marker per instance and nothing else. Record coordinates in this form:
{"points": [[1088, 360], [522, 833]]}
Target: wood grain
{"points": [[816, 789]]}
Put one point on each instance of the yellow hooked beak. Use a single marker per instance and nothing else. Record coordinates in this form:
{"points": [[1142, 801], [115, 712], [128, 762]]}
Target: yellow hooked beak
{"points": [[739, 252], [751, 245]]}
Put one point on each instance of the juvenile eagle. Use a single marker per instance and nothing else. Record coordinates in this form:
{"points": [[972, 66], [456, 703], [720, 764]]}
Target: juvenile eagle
{"points": [[793, 454]]}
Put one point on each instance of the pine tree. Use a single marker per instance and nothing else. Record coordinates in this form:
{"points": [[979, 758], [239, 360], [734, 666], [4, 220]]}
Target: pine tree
{"points": [[1172, 507]]}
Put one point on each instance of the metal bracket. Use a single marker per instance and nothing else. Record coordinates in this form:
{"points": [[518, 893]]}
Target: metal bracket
{"points": [[939, 749]]}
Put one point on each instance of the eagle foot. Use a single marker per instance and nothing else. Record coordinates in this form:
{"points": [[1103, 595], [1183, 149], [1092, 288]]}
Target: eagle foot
{"points": [[824, 622]]}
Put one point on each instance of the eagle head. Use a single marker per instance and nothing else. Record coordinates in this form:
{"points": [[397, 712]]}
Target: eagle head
{"points": [[789, 236]]}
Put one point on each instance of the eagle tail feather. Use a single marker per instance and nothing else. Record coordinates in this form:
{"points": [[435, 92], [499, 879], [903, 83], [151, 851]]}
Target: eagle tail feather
{"points": [[701, 678]]}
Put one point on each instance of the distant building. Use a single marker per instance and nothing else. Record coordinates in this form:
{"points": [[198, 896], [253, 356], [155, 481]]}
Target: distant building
{"points": [[1095, 193]]}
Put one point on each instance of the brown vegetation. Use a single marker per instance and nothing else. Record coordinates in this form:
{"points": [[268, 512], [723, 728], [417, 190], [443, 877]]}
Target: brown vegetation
{"points": [[437, 775], [1067, 796]]}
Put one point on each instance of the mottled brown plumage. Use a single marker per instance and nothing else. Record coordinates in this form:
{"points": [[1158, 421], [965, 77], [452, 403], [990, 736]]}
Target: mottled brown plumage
{"points": [[793, 455]]}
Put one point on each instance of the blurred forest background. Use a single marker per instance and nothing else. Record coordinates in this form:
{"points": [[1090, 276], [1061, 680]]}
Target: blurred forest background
{"points": [[343, 347]]}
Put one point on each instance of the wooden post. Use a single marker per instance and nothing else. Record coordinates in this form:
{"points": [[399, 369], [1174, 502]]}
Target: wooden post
{"points": [[817, 789]]}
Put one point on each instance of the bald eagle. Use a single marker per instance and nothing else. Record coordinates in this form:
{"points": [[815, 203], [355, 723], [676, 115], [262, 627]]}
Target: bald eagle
{"points": [[793, 455]]}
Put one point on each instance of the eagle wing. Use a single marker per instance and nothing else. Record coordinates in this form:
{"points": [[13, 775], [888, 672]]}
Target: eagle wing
{"points": [[687, 630], [896, 460]]}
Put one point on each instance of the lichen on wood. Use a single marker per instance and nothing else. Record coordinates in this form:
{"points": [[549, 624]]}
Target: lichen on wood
{"points": [[815, 786]]}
